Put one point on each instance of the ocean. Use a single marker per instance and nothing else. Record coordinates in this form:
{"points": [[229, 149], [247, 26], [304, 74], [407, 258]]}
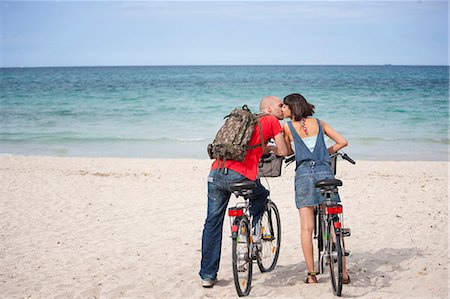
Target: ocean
{"points": [[385, 112]]}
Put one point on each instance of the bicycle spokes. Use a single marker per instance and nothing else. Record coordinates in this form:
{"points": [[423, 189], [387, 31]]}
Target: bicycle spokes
{"points": [[242, 263], [263, 245], [270, 239], [335, 252]]}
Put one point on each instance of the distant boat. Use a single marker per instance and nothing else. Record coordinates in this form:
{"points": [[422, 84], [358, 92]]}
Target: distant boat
{"points": [[388, 64]]}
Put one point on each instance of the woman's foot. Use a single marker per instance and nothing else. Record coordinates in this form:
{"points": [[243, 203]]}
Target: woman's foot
{"points": [[311, 278], [345, 278]]}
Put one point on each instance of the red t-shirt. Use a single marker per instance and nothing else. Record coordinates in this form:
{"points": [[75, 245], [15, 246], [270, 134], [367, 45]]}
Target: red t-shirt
{"points": [[249, 166]]}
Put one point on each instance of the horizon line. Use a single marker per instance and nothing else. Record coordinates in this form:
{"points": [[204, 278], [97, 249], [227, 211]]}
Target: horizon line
{"points": [[196, 65]]}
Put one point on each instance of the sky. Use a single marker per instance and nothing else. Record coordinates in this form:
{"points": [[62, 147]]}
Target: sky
{"points": [[102, 33]]}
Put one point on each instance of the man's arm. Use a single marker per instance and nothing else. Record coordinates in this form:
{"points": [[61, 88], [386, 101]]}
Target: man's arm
{"points": [[281, 148], [287, 138]]}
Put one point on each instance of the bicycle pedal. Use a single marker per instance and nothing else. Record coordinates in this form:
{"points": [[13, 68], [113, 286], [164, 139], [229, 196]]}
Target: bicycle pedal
{"points": [[335, 259], [346, 232], [267, 238], [254, 256], [347, 253]]}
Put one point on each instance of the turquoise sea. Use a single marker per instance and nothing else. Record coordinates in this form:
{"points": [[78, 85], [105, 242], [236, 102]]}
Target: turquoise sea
{"points": [[386, 112]]}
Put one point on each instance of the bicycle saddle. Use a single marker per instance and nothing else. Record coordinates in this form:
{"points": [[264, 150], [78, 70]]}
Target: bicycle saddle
{"points": [[242, 186], [328, 182]]}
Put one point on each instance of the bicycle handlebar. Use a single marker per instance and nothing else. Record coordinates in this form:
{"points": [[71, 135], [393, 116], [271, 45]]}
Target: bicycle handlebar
{"points": [[344, 156], [290, 159]]}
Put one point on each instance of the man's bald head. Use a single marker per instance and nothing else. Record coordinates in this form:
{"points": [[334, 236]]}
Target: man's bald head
{"points": [[271, 105], [268, 101]]}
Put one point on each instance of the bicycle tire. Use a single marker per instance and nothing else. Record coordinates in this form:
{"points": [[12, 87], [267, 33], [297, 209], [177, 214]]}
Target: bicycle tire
{"points": [[320, 241], [269, 252], [335, 261], [242, 262]]}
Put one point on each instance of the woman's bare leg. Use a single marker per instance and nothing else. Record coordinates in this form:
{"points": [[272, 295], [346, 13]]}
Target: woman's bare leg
{"points": [[344, 263], [306, 228]]}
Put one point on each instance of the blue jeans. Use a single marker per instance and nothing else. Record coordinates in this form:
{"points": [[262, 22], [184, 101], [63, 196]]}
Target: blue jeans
{"points": [[218, 196]]}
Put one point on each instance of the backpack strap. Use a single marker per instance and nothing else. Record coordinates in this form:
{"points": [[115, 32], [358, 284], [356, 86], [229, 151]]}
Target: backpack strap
{"points": [[263, 142]]}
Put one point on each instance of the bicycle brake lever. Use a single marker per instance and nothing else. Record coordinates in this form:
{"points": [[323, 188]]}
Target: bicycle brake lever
{"points": [[287, 163], [346, 157], [289, 160]]}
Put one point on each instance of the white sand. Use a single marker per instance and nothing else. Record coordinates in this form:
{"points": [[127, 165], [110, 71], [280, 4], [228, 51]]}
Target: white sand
{"points": [[129, 228]]}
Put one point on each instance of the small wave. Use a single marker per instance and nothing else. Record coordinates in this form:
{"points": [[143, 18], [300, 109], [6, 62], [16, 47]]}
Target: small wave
{"points": [[402, 140], [199, 139], [55, 138]]}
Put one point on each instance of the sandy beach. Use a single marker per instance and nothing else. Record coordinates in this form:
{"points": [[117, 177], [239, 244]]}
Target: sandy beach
{"points": [[131, 228]]}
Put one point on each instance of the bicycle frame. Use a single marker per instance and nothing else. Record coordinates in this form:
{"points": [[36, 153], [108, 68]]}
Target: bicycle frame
{"points": [[329, 231], [327, 227], [234, 213], [250, 243], [243, 208], [242, 246]]}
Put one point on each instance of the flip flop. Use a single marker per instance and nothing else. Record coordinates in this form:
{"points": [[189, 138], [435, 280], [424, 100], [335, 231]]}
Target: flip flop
{"points": [[313, 277]]}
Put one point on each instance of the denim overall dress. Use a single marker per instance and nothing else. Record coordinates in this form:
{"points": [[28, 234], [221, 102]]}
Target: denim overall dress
{"points": [[310, 168]]}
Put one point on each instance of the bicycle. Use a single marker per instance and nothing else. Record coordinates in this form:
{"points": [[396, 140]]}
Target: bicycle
{"points": [[261, 243], [328, 229]]}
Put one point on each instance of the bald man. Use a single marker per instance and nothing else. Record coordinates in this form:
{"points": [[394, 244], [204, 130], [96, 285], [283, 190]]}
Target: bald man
{"points": [[272, 105], [233, 171]]}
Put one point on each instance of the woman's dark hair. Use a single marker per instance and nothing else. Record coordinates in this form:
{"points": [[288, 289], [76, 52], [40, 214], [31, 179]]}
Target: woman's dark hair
{"points": [[300, 108]]}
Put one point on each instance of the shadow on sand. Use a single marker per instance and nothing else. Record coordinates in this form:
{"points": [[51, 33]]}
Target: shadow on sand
{"points": [[369, 271]]}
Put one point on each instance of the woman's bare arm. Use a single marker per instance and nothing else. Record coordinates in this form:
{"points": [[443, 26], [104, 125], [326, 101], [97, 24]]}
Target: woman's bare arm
{"points": [[287, 138], [339, 140]]}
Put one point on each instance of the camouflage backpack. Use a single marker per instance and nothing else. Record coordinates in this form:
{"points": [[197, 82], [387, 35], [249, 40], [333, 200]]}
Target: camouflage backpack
{"points": [[231, 141]]}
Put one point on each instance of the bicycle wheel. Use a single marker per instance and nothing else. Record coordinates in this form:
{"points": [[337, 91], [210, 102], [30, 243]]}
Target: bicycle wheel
{"points": [[242, 262], [335, 252], [270, 238], [320, 237]]}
